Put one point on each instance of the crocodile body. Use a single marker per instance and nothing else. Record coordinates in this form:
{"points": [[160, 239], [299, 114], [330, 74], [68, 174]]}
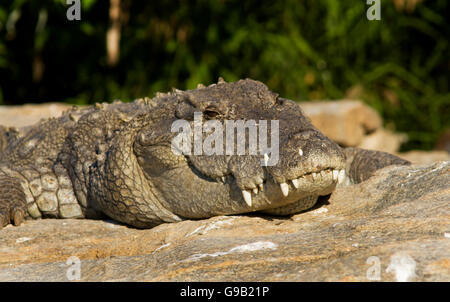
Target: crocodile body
{"points": [[116, 160]]}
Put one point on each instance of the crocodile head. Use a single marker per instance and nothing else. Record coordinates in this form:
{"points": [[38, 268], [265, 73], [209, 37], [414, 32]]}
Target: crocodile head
{"points": [[305, 163]]}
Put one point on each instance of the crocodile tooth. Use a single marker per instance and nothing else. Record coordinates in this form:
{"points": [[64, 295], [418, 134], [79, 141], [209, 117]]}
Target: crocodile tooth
{"points": [[247, 197], [341, 176], [295, 183], [314, 175], [266, 159], [323, 173], [284, 189], [308, 177], [261, 187], [223, 179], [255, 191], [335, 174], [300, 152]]}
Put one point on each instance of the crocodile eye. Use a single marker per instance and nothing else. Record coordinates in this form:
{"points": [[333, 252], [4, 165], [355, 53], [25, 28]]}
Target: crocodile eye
{"points": [[211, 113]]}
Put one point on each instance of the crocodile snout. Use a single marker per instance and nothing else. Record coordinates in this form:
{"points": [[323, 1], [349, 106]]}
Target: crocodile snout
{"points": [[306, 153]]}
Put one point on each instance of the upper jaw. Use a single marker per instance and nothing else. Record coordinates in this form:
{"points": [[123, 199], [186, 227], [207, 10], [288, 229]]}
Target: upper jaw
{"points": [[268, 191], [303, 170]]}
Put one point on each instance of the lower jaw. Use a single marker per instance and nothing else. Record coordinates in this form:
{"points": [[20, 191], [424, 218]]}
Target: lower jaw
{"points": [[273, 198], [300, 205]]}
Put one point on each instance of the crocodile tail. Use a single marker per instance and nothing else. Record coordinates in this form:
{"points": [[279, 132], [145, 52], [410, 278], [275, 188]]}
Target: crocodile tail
{"points": [[362, 164]]}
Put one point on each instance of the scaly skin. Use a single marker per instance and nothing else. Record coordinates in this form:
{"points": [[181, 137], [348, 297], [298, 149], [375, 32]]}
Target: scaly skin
{"points": [[116, 160]]}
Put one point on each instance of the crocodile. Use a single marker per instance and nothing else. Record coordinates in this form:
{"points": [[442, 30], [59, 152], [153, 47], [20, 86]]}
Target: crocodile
{"points": [[117, 161]]}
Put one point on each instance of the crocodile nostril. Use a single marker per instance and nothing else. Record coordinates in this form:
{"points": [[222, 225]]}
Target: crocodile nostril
{"points": [[304, 135]]}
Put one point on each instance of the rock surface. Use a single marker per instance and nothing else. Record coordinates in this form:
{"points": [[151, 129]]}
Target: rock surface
{"points": [[424, 157], [30, 114], [393, 227], [383, 140], [346, 122]]}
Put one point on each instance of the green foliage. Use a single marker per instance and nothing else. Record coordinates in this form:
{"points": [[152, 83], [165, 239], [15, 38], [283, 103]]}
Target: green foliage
{"points": [[305, 50]]}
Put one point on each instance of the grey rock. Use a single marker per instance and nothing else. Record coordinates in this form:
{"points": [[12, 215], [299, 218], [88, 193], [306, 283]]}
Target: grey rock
{"points": [[395, 226]]}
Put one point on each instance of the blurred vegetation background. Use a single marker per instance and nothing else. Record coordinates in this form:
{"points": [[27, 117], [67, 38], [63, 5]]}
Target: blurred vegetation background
{"points": [[304, 50]]}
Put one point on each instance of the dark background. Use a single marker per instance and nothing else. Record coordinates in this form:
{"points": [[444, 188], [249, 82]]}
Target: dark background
{"points": [[304, 50]]}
